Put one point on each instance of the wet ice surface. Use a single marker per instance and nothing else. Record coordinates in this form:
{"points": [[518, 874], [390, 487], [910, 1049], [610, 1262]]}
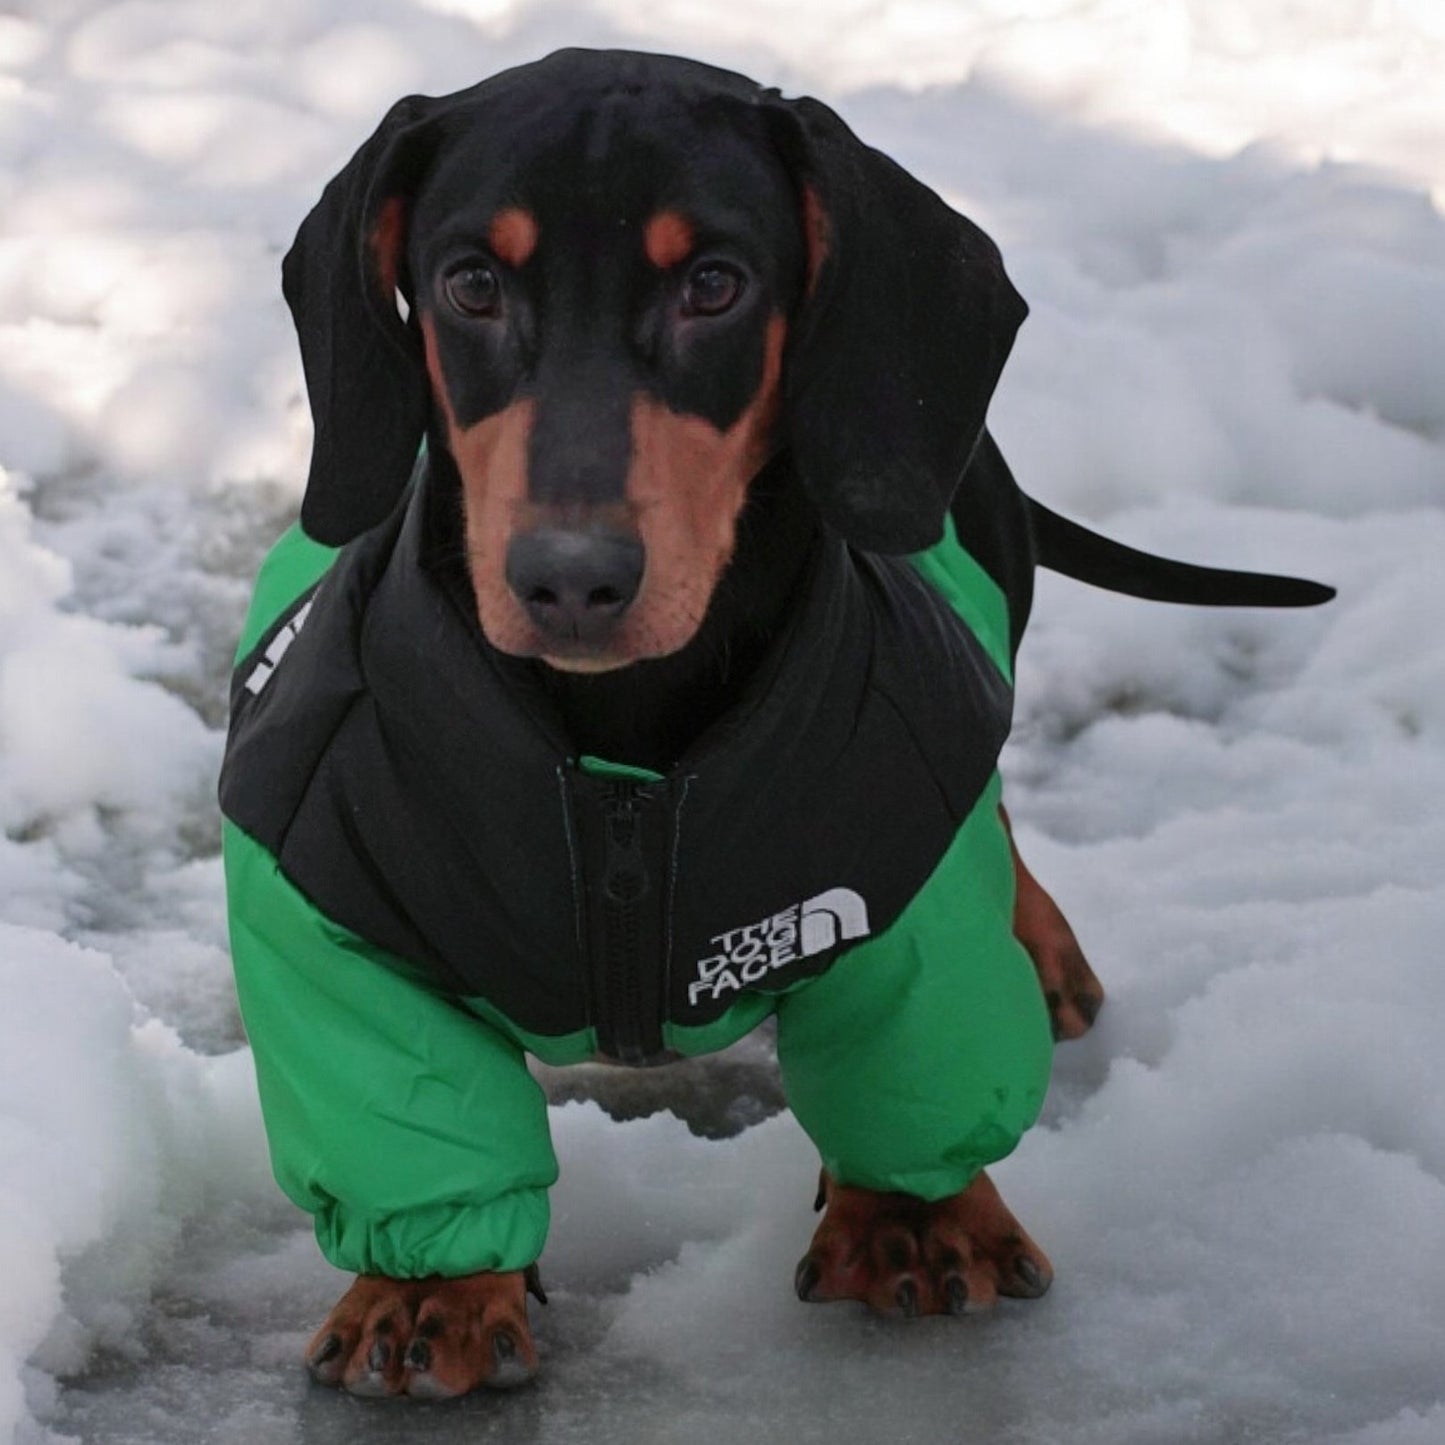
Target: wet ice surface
{"points": [[712, 1346], [222, 1368], [1233, 358]]}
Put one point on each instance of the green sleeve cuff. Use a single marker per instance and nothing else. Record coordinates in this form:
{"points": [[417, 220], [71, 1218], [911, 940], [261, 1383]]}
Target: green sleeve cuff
{"points": [[452, 1238], [410, 1128]]}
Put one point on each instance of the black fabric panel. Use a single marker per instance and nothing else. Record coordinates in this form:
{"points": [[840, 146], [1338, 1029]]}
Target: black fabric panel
{"points": [[278, 737], [421, 799], [992, 518]]}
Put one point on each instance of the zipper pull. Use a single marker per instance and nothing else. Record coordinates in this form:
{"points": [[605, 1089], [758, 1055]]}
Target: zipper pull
{"points": [[624, 873]]}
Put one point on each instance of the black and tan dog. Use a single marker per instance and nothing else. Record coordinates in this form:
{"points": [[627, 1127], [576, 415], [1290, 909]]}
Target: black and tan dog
{"points": [[680, 350]]}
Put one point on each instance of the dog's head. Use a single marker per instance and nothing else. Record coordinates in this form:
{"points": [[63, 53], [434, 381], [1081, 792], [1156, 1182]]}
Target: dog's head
{"points": [[630, 280]]}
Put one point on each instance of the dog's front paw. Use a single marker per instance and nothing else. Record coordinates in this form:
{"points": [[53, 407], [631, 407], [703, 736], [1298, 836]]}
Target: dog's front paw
{"points": [[902, 1255], [429, 1338]]}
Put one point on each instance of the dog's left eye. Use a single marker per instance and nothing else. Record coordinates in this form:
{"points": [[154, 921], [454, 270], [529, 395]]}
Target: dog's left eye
{"points": [[711, 289], [474, 290]]}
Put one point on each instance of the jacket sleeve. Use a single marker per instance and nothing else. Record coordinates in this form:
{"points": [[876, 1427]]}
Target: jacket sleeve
{"points": [[923, 1054], [410, 1129]]}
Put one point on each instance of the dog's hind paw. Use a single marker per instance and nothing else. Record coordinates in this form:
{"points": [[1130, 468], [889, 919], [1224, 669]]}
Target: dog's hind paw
{"points": [[902, 1255], [431, 1339], [1072, 990]]}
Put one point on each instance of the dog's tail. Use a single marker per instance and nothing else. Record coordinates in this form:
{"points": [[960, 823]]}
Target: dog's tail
{"points": [[1064, 546]]}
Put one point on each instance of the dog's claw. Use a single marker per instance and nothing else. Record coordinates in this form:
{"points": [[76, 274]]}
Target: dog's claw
{"points": [[1033, 1280], [956, 1296], [907, 1297], [509, 1368], [419, 1356], [330, 1348], [324, 1362], [805, 1281]]}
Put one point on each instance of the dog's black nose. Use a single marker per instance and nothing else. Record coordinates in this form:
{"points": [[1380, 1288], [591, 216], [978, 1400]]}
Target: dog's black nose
{"points": [[575, 585]]}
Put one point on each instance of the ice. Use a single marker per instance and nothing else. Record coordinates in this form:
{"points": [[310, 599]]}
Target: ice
{"points": [[1227, 219]]}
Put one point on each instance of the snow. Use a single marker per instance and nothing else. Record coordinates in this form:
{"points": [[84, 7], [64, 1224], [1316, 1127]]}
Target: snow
{"points": [[1226, 215]]}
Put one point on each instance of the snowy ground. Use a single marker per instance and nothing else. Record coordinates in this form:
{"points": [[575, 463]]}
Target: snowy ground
{"points": [[1228, 217]]}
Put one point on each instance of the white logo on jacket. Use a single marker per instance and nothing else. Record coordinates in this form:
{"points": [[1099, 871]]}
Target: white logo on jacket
{"points": [[260, 675], [746, 956]]}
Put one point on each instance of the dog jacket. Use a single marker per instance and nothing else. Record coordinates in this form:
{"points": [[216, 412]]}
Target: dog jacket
{"points": [[426, 883]]}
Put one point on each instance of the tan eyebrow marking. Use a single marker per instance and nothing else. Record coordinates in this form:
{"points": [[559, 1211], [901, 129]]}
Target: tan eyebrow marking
{"points": [[513, 235], [667, 238]]}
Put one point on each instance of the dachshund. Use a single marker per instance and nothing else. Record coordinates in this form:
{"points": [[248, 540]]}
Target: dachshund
{"points": [[660, 694]]}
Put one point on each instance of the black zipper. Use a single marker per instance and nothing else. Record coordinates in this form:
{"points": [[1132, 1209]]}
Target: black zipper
{"points": [[625, 912]]}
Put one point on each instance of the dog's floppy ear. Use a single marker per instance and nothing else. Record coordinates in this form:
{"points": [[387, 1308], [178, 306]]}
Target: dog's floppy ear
{"points": [[906, 323], [365, 375]]}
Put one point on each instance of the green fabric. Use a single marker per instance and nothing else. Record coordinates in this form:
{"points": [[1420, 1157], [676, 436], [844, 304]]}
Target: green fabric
{"points": [[560, 1050], [971, 592], [601, 768], [409, 1128], [291, 566], [741, 1019], [923, 1054]]}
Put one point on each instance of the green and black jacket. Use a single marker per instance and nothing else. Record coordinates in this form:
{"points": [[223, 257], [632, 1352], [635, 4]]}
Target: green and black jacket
{"points": [[425, 881]]}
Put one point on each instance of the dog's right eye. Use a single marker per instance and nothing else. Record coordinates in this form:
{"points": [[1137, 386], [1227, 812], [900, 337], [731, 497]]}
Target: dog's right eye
{"points": [[711, 289], [474, 290]]}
